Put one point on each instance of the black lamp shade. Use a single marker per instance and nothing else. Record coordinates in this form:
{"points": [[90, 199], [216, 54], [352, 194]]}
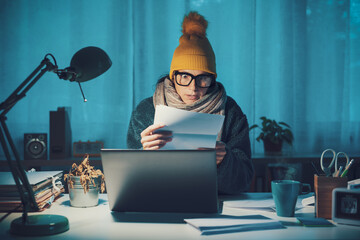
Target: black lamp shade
{"points": [[89, 63]]}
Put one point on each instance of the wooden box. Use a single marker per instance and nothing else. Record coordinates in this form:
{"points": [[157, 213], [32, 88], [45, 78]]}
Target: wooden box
{"points": [[323, 193]]}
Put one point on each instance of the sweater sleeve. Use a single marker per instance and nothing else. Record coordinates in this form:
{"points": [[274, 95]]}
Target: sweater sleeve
{"points": [[236, 171], [141, 118]]}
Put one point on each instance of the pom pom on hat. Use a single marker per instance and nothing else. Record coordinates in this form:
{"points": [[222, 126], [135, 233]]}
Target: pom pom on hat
{"points": [[194, 24], [194, 51]]}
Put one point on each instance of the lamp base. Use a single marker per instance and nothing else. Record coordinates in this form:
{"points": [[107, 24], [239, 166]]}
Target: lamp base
{"points": [[39, 225]]}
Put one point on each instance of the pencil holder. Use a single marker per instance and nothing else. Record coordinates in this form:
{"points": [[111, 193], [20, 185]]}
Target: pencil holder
{"points": [[323, 193]]}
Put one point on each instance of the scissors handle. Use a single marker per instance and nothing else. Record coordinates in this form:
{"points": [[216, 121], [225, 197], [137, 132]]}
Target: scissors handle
{"points": [[337, 156], [327, 170]]}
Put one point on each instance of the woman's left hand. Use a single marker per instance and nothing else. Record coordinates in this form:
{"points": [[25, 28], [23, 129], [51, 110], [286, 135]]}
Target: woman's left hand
{"points": [[220, 151]]}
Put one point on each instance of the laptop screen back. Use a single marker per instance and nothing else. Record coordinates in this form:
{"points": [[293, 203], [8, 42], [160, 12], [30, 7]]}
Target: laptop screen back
{"points": [[161, 180]]}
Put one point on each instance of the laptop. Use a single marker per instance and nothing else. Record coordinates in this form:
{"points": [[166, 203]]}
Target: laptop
{"points": [[161, 180]]}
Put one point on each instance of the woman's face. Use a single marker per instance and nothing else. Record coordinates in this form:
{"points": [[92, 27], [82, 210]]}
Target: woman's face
{"points": [[192, 93]]}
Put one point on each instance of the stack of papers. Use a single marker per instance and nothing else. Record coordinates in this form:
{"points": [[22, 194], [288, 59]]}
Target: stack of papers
{"points": [[191, 130], [46, 186], [229, 224], [267, 205]]}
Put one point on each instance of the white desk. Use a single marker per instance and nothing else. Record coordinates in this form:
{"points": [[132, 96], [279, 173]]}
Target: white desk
{"points": [[99, 223]]}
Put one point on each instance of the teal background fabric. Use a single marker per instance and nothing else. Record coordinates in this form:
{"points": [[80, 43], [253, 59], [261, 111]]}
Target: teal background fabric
{"points": [[289, 60]]}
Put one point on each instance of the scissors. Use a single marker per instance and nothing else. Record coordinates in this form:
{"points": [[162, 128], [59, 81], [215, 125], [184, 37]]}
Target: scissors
{"points": [[327, 170]]}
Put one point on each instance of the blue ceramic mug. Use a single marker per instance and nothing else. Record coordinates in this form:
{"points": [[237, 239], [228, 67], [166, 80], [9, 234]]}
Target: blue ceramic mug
{"points": [[285, 193]]}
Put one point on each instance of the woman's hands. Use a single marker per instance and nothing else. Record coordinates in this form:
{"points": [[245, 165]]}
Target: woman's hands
{"points": [[152, 140], [220, 151]]}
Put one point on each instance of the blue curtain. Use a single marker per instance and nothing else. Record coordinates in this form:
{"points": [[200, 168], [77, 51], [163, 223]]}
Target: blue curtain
{"points": [[292, 61]]}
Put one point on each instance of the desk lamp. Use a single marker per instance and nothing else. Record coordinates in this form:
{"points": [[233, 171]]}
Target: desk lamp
{"points": [[86, 64]]}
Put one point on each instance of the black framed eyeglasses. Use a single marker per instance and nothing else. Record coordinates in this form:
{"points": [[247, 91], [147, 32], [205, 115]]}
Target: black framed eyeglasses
{"points": [[202, 80]]}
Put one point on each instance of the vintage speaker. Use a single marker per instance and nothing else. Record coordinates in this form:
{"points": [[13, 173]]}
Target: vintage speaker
{"points": [[35, 146], [60, 134]]}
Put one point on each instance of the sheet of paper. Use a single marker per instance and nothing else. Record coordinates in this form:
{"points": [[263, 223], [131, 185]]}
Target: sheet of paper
{"points": [[309, 201], [227, 224], [267, 205], [6, 178], [191, 130]]}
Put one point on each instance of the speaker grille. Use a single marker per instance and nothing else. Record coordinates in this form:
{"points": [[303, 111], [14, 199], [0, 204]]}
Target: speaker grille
{"points": [[35, 146]]}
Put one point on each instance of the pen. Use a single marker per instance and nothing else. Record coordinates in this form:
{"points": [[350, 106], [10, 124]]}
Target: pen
{"points": [[347, 168], [317, 172], [337, 173]]}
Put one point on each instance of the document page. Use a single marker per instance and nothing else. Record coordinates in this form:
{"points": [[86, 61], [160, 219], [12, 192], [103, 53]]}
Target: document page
{"points": [[266, 204], [191, 130], [228, 224], [6, 178]]}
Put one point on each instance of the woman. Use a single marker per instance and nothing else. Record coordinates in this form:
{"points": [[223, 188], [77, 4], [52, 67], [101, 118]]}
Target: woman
{"points": [[191, 85]]}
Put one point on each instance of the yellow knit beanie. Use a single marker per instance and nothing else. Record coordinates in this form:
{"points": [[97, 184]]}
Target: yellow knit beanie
{"points": [[194, 51]]}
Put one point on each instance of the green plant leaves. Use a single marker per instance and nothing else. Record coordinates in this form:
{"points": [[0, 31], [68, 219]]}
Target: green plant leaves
{"points": [[274, 131]]}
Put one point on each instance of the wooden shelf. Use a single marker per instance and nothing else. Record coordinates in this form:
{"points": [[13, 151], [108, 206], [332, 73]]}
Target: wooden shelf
{"points": [[262, 163], [51, 163]]}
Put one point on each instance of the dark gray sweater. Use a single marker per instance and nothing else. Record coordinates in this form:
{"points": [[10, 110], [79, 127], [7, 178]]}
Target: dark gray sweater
{"points": [[236, 171]]}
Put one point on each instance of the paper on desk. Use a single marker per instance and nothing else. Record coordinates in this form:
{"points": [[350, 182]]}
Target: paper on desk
{"points": [[6, 178], [191, 130], [228, 224], [266, 205], [309, 201]]}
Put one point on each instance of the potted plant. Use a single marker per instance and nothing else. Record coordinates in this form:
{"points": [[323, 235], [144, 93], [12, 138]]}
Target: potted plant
{"points": [[84, 183], [273, 134]]}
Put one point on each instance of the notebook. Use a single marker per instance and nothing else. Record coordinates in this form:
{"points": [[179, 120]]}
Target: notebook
{"points": [[161, 180]]}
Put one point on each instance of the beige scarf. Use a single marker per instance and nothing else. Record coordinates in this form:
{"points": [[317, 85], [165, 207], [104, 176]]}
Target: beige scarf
{"points": [[213, 102]]}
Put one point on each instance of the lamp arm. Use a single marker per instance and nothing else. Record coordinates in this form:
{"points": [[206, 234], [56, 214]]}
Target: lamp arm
{"points": [[88, 68], [12, 96], [24, 87], [26, 193]]}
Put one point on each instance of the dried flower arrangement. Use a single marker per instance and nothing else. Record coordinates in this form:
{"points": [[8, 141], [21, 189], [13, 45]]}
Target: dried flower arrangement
{"points": [[87, 175]]}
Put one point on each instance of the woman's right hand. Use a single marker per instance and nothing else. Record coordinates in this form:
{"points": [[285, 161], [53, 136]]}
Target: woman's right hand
{"points": [[152, 140]]}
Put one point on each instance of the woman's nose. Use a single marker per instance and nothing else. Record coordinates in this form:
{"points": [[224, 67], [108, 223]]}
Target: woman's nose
{"points": [[192, 85]]}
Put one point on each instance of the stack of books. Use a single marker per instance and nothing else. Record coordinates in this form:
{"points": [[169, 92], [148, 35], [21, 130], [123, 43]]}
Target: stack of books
{"points": [[46, 185]]}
